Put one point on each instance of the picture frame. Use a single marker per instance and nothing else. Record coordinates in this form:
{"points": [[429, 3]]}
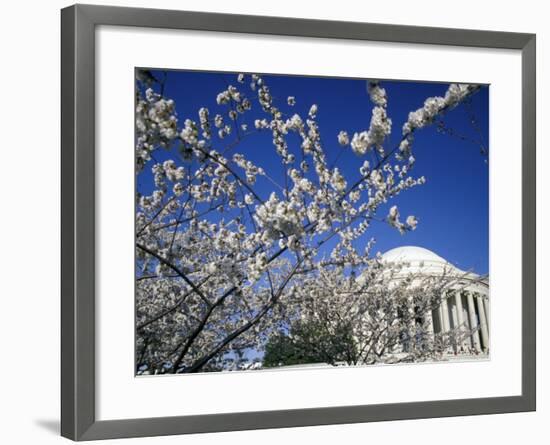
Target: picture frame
{"points": [[78, 213]]}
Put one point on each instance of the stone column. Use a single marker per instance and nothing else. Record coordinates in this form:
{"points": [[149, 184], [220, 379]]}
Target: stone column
{"points": [[435, 316], [483, 323], [460, 319], [429, 327], [430, 321], [445, 316], [454, 323], [412, 325], [487, 313], [473, 322], [445, 312]]}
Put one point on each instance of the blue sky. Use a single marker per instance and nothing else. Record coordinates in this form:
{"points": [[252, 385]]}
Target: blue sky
{"points": [[452, 207]]}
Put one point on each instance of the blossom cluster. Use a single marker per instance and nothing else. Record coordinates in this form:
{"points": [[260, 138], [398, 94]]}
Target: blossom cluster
{"points": [[380, 124], [433, 106], [393, 220], [279, 219], [156, 125]]}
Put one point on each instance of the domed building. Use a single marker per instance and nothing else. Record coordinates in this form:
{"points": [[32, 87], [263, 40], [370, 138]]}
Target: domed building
{"points": [[466, 306]]}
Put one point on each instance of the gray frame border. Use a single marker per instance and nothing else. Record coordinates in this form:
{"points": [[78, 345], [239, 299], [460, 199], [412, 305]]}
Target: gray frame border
{"points": [[78, 24]]}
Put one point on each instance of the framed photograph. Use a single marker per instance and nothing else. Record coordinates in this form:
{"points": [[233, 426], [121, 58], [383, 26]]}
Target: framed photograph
{"points": [[274, 222]]}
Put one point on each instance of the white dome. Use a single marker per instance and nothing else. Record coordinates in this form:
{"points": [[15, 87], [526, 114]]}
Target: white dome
{"points": [[411, 254], [419, 259], [425, 262]]}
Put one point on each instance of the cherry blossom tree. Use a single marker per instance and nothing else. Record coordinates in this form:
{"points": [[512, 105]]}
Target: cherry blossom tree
{"points": [[379, 313], [222, 266]]}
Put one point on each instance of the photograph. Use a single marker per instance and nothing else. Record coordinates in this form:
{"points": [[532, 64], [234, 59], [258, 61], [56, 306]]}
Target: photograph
{"points": [[289, 221]]}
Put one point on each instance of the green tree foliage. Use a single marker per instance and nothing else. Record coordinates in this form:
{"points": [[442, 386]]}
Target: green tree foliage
{"points": [[311, 342]]}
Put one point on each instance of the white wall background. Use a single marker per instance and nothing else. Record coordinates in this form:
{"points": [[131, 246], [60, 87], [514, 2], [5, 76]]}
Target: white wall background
{"points": [[29, 181]]}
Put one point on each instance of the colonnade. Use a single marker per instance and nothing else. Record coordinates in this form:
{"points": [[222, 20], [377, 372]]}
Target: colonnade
{"points": [[464, 312]]}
